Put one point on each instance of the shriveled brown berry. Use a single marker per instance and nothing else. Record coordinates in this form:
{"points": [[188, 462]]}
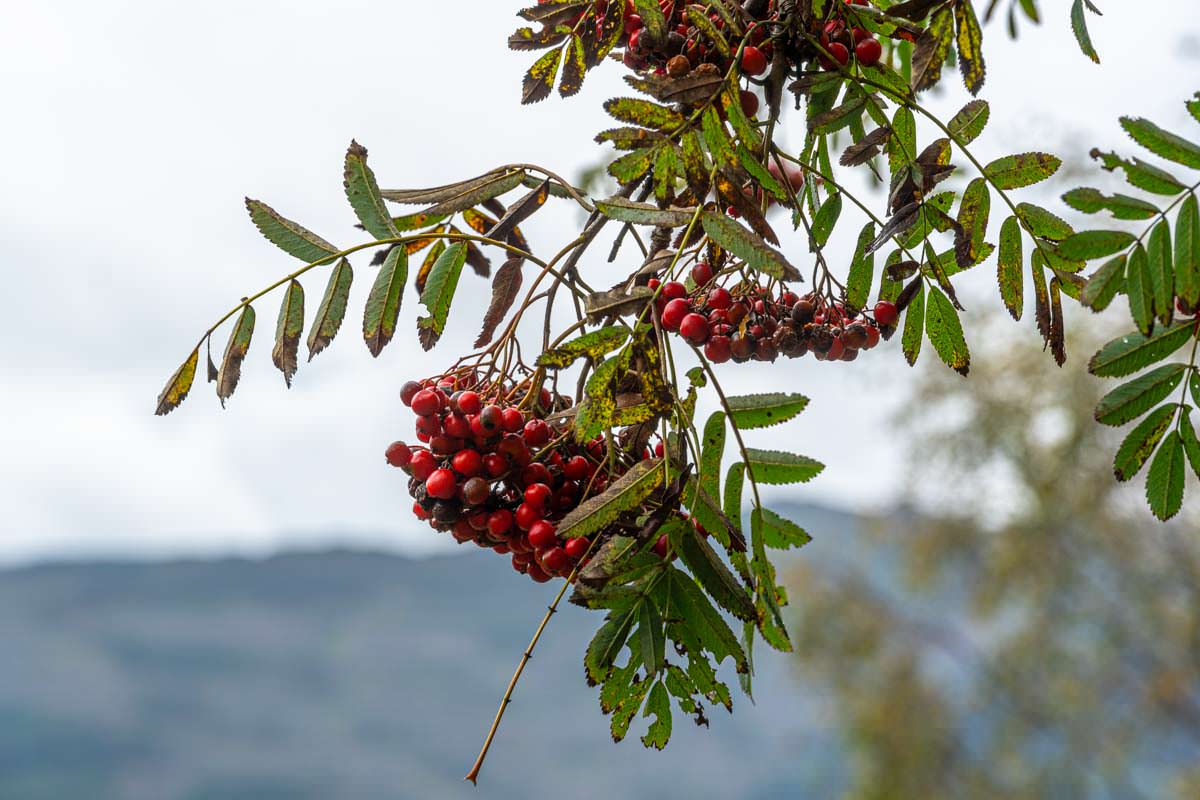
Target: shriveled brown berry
{"points": [[803, 312], [678, 66]]}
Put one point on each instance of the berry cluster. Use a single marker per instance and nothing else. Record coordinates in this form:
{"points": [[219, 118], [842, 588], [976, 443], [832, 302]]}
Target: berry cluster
{"points": [[749, 324], [840, 41], [498, 475]]}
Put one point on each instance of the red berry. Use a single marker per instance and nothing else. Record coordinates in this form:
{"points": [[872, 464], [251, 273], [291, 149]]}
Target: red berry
{"points": [[408, 391], [576, 548], [633, 22], [694, 328], [535, 473], [659, 449], [872, 337], [457, 426], [577, 468], [555, 559], [836, 349], [467, 463], [535, 572], [635, 40], [512, 420], [422, 464], [441, 484], [720, 299], [527, 516], [430, 426], [840, 53], [425, 402], [886, 313], [469, 403], [674, 312], [537, 494], [537, 432], [868, 52], [749, 103], [702, 273], [515, 448], [398, 454], [672, 290], [661, 546], [495, 465], [718, 350], [419, 512], [490, 418], [754, 61], [541, 533], [499, 523]]}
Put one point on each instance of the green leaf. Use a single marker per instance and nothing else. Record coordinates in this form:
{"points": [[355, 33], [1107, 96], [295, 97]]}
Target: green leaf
{"points": [[627, 709], [973, 215], [625, 494], [1191, 444], [862, 269], [1194, 385], [596, 412], [1164, 483], [841, 116], [637, 111], [607, 643], [1130, 400], [1093, 201], [946, 332], [593, 345], [653, 638], [708, 568], [667, 167], [631, 166], [655, 24], [177, 388], [764, 410], [1134, 352], [383, 303], [1089, 245], [902, 146], [1141, 441], [699, 615], [1187, 251], [1140, 290], [1141, 174], [235, 354], [748, 246], [1162, 272], [1079, 26], [575, 67], [1104, 284], [539, 80], [439, 293], [287, 235], [1162, 143], [363, 194], [969, 41], [472, 193], [332, 310], [1010, 269], [658, 704], [969, 122], [288, 330], [623, 210], [735, 481], [778, 468], [781, 533], [711, 452], [826, 219], [1019, 171], [1043, 223], [914, 327]]}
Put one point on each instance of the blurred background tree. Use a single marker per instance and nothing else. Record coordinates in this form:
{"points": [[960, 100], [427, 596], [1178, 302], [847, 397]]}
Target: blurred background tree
{"points": [[1028, 634]]}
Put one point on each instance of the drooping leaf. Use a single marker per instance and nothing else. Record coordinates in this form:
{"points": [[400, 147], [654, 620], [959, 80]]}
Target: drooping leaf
{"points": [[645, 113], [177, 388], [825, 220], [520, 211], [866, 147], [712, 451], [1187, 251], [969, 122], [706, 566], [1162, 271], [332, 310], [383, 303], [1010, 268], [624, 210], [902, 147], [1134, 352], [946, 332], [1130, 400], [625, 494], [439, 293], [748, 246], [973, 215], [363, 193], [862, 269], [288, 331], [1164, 483], [914, 323], [235, 354], [606, 645], [1141, 174], [1191, 444], [652, 636], [775, 467], [1079, 27], [574, 67], [1161, 142], [711, 629], [1140, 443], [478, 192], [752, 411], [1140, 290], [293, 239], [969, 43], [591, 345], [1104, 284], [931, 50], [835, 119], [1058, 330], [1024, 169]]}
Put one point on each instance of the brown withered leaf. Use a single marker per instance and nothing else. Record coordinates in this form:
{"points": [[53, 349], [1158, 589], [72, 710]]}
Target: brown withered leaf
{"points": [[698, 86], [939, 273], [1058, 343], [520, 211], [478, 221], [902, 271], [212, 366], [909, 292], [866, 148], [235, 353], [538, 82], [574, 67], [617, 303], [901, 220], [554, 13], [1041, 295], [478, 261], [439, 194], [931, 50], [914, 10], [505, 288]]}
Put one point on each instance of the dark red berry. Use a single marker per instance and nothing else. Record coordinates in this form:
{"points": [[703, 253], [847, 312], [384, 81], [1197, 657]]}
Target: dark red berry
{"points": [[535, 473], [469, 403], [661, 546], [555, 559], [526, 516], [425, 403], [537, 432], [495, 465], [476, 491], [408, 391], [467, 463], [576, 548], [500, 522], [718, 350], [534, 571], [577, 468], [749, 102], [537, 495], [674, 313], [513, 420], [422, 464], [694, 328], [541, 533], [491, 418], [886, 313], [702, 273], [398, 454], [720, 299], [457, 426], [441, 484], [672, 290], [754, 61], [868, 52]]}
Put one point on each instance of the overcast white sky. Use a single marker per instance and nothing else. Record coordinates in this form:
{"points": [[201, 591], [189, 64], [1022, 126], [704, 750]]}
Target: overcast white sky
{"points": [[132, 131]]}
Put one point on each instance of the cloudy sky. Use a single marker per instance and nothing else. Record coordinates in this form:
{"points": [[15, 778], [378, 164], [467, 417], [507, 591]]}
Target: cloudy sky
{"points": [[134, 128]]}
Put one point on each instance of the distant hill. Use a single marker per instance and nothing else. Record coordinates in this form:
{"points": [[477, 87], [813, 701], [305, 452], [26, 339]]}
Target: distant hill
{"points": [[355, 676]]}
